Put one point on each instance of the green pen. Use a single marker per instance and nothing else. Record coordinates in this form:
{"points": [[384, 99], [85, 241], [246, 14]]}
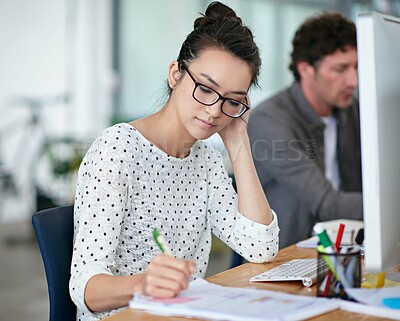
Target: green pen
{"points": [[161, 242]]}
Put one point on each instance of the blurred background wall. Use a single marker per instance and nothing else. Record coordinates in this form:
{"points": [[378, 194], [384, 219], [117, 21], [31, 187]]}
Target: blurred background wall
{"points": [[56, 84], [70, 68]]}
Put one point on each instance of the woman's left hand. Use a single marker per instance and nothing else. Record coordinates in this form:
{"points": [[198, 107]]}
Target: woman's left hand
{"points": [[237, 127]]}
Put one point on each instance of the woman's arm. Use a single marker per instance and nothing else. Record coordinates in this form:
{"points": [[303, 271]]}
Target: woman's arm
{"points": [[166, 276], [252, 201], [101, 206]]}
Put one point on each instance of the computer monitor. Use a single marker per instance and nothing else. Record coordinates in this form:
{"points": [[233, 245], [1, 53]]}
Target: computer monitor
{"points": [[378, 43]]}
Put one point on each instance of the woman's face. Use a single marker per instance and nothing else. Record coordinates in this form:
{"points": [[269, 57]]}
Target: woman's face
{"points": [[216, 69]]}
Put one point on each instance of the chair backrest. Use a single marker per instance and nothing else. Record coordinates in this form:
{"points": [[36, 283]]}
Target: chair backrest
{"points": [[54, 230]]}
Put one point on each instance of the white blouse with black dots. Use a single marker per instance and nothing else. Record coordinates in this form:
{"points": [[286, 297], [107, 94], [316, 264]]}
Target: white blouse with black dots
{"points": [[126, 186]]}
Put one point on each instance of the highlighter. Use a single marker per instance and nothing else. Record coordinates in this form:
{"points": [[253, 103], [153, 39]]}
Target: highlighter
{"points": [[161, 242]]}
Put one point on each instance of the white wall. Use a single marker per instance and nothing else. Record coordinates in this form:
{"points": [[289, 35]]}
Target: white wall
{"points": [[50, 48]]}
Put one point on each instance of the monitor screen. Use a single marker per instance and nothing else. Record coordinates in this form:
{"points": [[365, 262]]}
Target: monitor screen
{"points": [[378, 44]]}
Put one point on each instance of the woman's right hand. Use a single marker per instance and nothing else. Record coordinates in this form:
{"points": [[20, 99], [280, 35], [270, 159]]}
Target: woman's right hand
{"points": [[166, 276]]}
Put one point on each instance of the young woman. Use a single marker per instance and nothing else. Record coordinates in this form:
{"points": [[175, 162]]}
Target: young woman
{"points": [[157, 172]]}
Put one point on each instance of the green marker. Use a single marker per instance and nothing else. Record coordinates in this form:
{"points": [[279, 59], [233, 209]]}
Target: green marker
{"points": [[324, 238], [330, 249], [161, 242], [321, 250]]}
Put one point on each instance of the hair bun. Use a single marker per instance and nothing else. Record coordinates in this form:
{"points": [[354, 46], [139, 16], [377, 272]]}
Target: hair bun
{"points": [[215, 11]]}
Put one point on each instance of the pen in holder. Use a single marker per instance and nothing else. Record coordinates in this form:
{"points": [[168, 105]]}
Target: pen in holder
{"points": [[345, 267]]}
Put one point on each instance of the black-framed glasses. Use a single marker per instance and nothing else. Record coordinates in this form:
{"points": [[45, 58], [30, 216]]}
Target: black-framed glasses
{"points": [[208, 97]]}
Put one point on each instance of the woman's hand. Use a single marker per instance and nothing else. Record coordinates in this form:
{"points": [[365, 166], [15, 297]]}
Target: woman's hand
{"points": [[252, 201], [166, 276], [236, 129]]}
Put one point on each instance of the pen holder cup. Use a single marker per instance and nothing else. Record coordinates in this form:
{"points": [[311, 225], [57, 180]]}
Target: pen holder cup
{"points": [[336, 272]]}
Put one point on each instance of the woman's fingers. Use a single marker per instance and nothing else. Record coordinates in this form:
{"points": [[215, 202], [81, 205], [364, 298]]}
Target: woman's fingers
{"points": [[174, 263], [247, 100], [167, 276], [167, 273]]}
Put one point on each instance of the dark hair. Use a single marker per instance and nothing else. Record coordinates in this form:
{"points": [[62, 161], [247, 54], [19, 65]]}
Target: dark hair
{"points": [[219, 27], [320, 36]]}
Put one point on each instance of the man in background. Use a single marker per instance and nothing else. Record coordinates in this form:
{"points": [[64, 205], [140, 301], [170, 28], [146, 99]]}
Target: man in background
{"points": [[305, 140]]}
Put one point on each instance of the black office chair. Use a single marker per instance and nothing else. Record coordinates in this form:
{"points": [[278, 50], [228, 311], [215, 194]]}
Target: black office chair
{"points": [[54, 229]]}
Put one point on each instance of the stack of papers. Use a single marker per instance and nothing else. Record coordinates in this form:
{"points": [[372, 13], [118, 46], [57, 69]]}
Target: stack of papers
{"points": [[210, 301]]}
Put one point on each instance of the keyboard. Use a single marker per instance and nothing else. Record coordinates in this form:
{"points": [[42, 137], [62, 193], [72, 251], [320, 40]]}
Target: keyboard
{"points": [[304, 270]]}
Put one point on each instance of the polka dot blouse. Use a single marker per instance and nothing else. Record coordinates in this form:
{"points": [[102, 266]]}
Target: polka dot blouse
{"points": [[127, 186]]}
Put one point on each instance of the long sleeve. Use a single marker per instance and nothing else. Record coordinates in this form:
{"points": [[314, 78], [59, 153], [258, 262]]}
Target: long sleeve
{"points": [[254, 241], [100, 207]]}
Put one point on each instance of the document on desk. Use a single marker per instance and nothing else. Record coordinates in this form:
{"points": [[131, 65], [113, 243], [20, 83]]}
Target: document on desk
{"points": [[205, 300], [372, 302]]}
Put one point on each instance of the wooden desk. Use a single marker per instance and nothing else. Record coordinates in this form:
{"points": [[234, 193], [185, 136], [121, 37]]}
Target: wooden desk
{"points": [[239, 277]]}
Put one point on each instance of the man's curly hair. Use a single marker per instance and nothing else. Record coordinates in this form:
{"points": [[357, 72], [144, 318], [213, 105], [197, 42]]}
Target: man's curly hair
{"points": [[320, 36]]}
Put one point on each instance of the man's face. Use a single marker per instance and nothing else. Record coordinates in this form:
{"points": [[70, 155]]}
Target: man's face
{"points": [[334, 80]]}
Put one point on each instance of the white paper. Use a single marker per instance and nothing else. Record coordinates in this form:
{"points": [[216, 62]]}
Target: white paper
{"points": [[210, 301], [374, 296], [370, 302]]}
